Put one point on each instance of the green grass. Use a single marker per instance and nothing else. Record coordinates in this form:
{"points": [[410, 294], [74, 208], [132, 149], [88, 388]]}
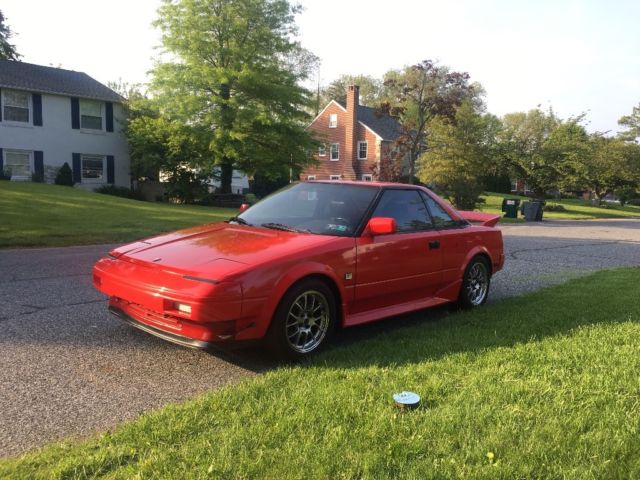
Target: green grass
{"points": [[35, 214], [541, 386], [574, 209]]}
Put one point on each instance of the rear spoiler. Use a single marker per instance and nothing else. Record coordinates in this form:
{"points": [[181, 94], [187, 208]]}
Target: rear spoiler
{"points": [[486, 219]]}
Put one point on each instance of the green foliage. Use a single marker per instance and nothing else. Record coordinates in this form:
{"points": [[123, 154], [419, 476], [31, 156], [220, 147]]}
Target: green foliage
{"points": [[554, 207], [370, 90], [263, 185], [7, 50], [64, 175], [184, 184], [460, 153], [632, 125], [542, 386], [236, 81], [416, 95], [37, 178], [116, 191]]}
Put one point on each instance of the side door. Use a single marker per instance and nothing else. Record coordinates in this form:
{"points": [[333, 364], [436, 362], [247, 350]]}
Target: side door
{"points": [[399, 267]]}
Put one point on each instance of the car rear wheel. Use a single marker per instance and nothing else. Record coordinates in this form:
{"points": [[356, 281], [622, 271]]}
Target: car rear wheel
{"points": [[475, 283], [303, 321]]}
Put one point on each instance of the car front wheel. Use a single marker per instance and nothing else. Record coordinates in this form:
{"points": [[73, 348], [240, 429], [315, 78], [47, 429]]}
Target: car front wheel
{"points": [[475, 283], [303, 321]]}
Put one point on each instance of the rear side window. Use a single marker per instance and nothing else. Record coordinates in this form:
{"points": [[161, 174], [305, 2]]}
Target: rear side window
{"points": [[407, 208], [441, 218]]}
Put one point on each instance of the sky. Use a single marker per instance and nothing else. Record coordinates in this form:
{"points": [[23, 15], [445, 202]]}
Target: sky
{"points": [[575, 56]]}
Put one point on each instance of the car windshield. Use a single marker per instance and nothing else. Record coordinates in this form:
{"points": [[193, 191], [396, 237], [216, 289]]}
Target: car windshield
{"points": [[320, 208]]}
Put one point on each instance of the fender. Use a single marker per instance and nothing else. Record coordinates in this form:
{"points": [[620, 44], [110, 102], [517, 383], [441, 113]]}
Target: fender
{"points": [[478, 249], [285, 282]]}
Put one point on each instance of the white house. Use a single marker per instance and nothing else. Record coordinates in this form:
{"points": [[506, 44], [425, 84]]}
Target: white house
{"points": [[49, 116]]}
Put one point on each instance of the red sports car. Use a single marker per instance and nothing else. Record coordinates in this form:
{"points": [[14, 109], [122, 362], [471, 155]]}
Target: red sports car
{"points": [[312, 257]]}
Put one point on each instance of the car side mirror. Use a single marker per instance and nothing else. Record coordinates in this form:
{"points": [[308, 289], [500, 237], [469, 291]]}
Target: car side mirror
{"points": [[382, 226], [244, 206]]}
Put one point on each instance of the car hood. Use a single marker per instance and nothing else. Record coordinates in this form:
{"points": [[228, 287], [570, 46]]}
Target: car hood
{"points": [[218, 248]]}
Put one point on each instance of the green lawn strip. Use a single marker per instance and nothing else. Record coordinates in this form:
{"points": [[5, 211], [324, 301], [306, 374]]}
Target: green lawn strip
{"points": [[574, 209], [541, 386], [34, 214]]}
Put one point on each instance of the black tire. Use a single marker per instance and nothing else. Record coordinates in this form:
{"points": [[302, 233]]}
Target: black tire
{"points": [[303, 322], [475, 283]]}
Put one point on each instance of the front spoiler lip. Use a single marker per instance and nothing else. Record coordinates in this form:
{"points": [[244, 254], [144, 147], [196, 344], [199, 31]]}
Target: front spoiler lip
{"points": [[170, 337]]}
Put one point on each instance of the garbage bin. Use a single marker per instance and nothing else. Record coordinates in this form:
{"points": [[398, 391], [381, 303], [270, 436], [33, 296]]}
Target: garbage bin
{"points": [[532, 211], [510, 207]]}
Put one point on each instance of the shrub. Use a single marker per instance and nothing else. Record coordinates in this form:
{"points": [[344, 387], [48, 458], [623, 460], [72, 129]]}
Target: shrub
{"points": [[554, 207], [250, 198], [634, 201], [123, 192], [64, 175], [37, 178], [5, 174]]}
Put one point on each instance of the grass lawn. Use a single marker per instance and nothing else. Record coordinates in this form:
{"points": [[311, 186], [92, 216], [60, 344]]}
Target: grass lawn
{"points": [[574, 209], [541, 386], [35, 214]]}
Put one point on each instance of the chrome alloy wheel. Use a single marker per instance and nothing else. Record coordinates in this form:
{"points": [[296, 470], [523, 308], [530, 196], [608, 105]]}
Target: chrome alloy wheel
{"points": [[477, 283], [307, 321]]}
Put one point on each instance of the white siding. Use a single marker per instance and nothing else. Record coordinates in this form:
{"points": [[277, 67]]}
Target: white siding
{"points": [[57, 140]]}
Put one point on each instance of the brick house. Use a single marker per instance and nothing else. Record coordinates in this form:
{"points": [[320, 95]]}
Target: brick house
{"points": [[357, 140]]}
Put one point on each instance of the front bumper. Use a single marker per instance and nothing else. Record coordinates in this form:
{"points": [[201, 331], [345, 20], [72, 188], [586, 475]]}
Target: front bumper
{"points": [[170, 337]]}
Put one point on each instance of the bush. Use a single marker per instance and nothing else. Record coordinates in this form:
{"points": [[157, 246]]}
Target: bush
{"points": [[554, 207], [123, 192], [5, 175], [250, 198], [64, 175], [634, 201], [37, 178], [229, 200], [263, 185]]}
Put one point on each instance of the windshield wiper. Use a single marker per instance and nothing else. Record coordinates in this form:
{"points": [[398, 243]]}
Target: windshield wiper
{"points": [[240, 221], [283, 227]]}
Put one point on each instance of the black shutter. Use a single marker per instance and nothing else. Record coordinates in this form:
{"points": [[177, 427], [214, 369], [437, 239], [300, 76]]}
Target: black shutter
{"points": [[75, 113], [110, 169], [37, 109], [1, 162], [0, 106], [38, 163], [109, 116], [77, 168]]}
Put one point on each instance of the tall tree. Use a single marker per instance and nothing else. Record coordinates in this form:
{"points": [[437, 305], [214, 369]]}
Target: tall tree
{"points": [[418, 94], [632, 125], [235, 72], [459, 155], [522, 140], [7, 50], [370, 90]]}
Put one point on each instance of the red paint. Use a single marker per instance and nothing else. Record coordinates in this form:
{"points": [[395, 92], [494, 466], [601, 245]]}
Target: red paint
{"points": [[233, 276]]}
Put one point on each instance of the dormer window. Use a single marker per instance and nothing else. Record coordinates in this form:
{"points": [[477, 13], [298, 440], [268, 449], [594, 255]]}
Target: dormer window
{"points": [[333, 120], [16, 106], [90, 115]]}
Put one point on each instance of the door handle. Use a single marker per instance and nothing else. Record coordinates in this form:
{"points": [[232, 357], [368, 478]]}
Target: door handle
{"points": [[433, 244]]}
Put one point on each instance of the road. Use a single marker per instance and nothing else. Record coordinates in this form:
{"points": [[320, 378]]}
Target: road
{"points": [[69, 369]]}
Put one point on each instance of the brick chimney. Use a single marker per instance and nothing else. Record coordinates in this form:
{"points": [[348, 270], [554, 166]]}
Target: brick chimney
{"points": [[351, 130]]}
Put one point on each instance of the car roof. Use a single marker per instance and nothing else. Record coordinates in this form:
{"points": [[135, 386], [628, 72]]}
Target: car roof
{"points": [[366, 184]]}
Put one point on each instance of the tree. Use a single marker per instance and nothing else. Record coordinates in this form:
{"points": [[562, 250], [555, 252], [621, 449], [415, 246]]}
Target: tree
{"points": [[459, 154], [234, 76], [613, 166], [370, 90], [522, 142], [7, 50], [418, 94], [632, 124]]}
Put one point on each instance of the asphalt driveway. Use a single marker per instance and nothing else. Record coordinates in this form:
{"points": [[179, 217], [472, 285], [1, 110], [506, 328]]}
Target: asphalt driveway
{"points": [[68, 369]]}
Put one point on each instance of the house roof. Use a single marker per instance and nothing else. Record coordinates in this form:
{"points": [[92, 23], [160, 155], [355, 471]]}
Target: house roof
{"points": [[41, 79], [385, 126]]}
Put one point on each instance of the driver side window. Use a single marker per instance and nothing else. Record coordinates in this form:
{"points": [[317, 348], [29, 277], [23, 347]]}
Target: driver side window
{"points": [[407, 208]]}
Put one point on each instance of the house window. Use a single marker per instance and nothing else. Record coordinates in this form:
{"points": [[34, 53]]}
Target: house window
{"points": [[367, 177], [335, 151], [16, 106], [333, 120], [322, 150], [311, 177], [334, 177], [17, 164], [90, 115], [362, 150], [93, 169]]}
